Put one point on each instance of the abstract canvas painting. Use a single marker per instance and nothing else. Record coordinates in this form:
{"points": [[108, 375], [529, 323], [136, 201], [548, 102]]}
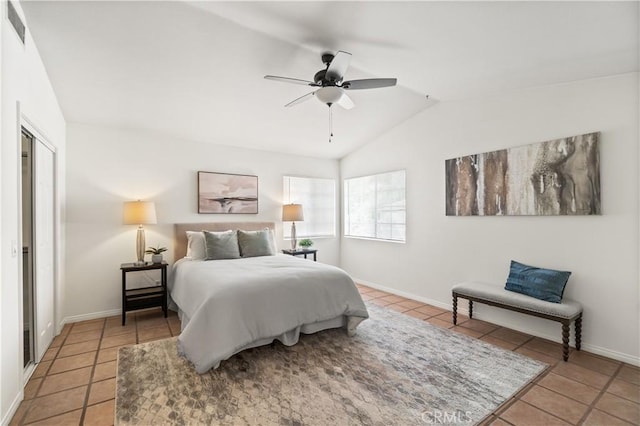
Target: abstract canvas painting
{"points": [[227, 193], [556, 177]]}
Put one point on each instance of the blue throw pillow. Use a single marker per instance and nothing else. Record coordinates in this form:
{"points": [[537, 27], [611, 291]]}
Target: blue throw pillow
{"points": [[543, 284]]}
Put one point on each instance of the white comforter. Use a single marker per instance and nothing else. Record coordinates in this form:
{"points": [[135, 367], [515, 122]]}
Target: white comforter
{"points": [[231, 305]]}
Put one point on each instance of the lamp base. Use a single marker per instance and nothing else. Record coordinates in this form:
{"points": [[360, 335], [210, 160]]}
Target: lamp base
{"points": [[140, 245], [294, 241]]}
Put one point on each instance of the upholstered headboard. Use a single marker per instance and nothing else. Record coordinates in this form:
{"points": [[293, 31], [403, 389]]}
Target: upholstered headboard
{"points": [[180, 236]]}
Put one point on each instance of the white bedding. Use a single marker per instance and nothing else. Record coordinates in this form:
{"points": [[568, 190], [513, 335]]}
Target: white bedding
{"points": [[230, 305]]}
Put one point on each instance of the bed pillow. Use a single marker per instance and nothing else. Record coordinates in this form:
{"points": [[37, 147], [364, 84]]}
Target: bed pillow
{"points": [[195, 245], [256, 243], [543, 284], [221, 245]]}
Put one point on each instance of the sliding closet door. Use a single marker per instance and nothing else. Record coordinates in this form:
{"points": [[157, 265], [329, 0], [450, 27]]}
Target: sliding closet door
{"points": [[44, 256]]}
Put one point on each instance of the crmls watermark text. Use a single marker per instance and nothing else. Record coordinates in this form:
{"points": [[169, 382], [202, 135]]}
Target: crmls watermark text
{"points": [[446, 417]]}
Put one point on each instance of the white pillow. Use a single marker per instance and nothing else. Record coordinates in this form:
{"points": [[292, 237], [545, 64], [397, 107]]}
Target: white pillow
{"points": [[196, 245], [272, 236]]}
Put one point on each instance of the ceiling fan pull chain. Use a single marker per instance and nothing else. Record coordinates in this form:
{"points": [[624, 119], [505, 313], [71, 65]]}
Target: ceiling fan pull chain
{"points": [[330, 124]]}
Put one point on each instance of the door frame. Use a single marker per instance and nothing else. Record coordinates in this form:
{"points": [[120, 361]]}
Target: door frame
{"points": [[38, 137]]}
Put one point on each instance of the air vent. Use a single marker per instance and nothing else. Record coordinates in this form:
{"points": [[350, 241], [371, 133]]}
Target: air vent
{"points": [[16, 22]]}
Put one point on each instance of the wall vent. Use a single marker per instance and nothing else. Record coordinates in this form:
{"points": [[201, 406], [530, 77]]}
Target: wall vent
{"points": [[15, 20]]}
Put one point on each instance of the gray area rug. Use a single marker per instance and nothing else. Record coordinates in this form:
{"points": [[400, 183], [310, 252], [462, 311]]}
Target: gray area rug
{"points": [[397, 370]]}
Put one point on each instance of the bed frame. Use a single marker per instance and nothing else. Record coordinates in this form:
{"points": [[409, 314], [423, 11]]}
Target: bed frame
{"points": [[180, 236]]}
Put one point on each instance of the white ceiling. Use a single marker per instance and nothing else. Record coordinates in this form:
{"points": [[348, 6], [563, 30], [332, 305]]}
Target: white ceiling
{"points": [[194, 70]]}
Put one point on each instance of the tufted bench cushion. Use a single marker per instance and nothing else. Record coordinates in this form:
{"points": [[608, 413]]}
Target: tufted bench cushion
{"points": [[568, 309], [564, 312]]}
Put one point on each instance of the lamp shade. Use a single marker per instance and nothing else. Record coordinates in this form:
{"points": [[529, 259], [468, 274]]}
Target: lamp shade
{"points": [[139, 213], [292, 213]]}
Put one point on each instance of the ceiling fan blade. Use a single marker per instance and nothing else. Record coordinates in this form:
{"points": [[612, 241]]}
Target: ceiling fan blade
{"points": [[338, 66], [369, 83], [301, 99], [345, 102], [291, 80]]}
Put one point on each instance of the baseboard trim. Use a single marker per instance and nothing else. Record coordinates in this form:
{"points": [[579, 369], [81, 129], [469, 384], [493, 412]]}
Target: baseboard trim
{"points": [[87, 317], [461, 309], [598, 350], [587, 347], [13, 408]]}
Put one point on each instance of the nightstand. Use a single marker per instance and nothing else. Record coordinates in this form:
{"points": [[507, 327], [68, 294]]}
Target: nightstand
{"points": [[146, 297], [301, 252]]}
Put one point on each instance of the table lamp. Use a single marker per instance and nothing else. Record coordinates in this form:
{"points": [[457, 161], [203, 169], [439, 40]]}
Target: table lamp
{"points": [[292, 213], [140, 213]]}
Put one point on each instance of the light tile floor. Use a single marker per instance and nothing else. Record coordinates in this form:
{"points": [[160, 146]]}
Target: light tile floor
{"points": [[75, 382]]}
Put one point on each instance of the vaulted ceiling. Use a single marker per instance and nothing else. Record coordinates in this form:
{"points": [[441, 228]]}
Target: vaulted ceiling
{"points": [[194, 70]]}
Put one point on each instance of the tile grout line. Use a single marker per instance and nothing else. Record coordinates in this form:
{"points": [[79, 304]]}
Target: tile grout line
{"points": [[47, 373], [524, 343], [93, 370], [44, 376], [555, 415], [560, 373], [62, 372], [599, 396], [518, 395], [544, 411], [135, 317], [626, 398], [569, 396]]}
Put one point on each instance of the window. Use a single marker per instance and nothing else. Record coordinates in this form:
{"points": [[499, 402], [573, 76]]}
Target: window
{"points": [[318, 199], [374, 206]]}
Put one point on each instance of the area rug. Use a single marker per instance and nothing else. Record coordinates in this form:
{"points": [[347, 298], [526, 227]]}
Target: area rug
{"points": [[396, 370]]}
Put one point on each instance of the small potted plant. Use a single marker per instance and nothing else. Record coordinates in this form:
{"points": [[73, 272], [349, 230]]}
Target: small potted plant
{"points": [[306, 243], [156, 253]]}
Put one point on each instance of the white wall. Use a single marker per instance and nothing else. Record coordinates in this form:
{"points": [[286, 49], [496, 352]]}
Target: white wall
{"points": [[601, 251], [4, 412], [108, 166], [26, 91]]}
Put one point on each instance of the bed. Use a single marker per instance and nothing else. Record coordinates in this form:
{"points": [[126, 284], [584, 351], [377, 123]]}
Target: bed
{"points": [[229, 305]]}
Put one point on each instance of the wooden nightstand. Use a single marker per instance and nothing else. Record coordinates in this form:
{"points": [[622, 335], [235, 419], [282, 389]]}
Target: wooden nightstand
{"points": [[304, 252], [146, 297]]}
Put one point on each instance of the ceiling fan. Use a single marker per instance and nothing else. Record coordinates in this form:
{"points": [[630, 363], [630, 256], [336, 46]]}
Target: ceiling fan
{"points": [[330, 82], [331, 87]]}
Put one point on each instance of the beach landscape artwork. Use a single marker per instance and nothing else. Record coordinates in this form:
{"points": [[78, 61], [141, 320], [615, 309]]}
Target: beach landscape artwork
{"points": [[227, 193], [556, 177]]}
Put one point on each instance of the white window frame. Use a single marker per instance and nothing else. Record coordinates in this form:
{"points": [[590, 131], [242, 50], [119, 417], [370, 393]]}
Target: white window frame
{"points": [[307, 208], [346, 223]]}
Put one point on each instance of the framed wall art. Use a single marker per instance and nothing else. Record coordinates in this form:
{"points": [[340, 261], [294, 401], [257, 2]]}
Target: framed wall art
{"points": [[556, 177], [227, 193]]}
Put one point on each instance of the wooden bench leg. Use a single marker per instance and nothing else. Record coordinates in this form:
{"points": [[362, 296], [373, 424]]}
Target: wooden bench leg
{"points": [[565, 340], [455, 309], [470, 308], [578, 327]]}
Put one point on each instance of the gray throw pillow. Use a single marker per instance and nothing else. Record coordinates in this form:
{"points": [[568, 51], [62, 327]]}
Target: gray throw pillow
{"points": [[256, 243], [221, 245]]}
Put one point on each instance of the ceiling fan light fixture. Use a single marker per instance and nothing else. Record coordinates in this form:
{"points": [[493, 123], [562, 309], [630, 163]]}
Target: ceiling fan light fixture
{"points": [[329, 94]]}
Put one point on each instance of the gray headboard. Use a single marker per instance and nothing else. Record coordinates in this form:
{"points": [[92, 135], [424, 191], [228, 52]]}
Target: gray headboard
{"points": [[180, 236]]}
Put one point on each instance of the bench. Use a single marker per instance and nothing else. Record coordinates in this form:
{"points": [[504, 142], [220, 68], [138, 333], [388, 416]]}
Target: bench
{"points": [[565, 312]]}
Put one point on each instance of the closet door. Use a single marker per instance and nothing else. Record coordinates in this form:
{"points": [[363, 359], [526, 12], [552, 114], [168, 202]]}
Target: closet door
{"points": [[44, 253]]}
